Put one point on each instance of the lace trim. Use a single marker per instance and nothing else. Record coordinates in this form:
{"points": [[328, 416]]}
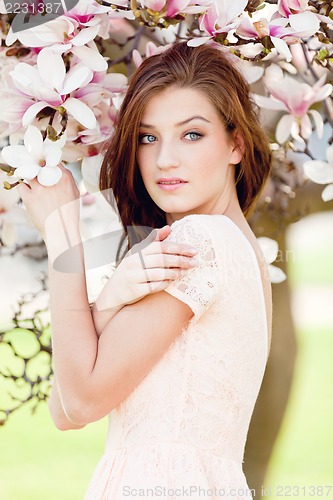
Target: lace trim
{"points": [[199, 287]]}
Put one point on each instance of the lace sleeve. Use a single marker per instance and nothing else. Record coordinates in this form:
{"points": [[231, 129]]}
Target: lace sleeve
{"points": [[198, 288]]}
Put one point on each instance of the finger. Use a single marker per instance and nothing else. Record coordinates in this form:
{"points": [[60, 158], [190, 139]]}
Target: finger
{"points": [[162, 233], [169, 247], [24, 187], [152, 261], [161, 274]]}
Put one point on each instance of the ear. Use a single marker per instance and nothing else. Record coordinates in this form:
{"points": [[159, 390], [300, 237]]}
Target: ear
{"points": [[238, 148]]}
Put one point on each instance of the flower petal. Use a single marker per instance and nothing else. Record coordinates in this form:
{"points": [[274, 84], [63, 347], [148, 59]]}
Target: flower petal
{"points": [[283, 128], [27, 171], [269, 248], [329, 154], [276, 274], [318, 171], [327, 194], [15, 156], [306, 127], [80, 112], [32, 111], [319, 124], [137, 58], [33, 142], [269, 102], [52, 155], [49, 176], [77, 77], [305, 23], [85, 35], [195, 42], [281, 47], [52, 69], [92, 58]]}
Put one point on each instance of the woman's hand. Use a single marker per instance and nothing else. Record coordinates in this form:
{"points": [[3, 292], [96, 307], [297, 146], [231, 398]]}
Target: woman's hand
{"points": [[147, 268], [52, 206]]}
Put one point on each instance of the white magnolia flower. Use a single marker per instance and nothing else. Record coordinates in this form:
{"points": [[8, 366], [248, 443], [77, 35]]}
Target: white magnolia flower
{"points": [[321, 172], [37, 158], [270, 249]]}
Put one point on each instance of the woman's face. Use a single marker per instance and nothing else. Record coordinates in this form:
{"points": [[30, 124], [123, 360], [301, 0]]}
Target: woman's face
{"points": [[185, 154]]}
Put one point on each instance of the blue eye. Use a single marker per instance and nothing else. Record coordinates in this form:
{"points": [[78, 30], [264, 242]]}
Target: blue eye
{"points": [[194, 136], [147, 139]]}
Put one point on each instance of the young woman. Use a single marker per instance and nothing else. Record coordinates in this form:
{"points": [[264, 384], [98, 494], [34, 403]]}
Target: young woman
{"points": [[175, 347]]}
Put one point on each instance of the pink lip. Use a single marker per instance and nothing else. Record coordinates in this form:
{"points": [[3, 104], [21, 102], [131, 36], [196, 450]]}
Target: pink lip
{"points": [[170, 187], [170, 179]]}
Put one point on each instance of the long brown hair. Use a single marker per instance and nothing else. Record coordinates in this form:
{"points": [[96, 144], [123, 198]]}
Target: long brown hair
{"points": [[210, 71]]}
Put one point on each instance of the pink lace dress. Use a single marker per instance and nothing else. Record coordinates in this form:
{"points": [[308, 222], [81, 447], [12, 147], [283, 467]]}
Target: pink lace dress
{"points": [[181, 433]]}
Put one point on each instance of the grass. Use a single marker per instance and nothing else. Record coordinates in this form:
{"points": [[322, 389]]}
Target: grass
{"points": [[302, 461], [303, 455], [38, 462]]}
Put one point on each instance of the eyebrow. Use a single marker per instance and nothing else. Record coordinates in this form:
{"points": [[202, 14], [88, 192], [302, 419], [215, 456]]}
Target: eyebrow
{"points": [[196, 117]]}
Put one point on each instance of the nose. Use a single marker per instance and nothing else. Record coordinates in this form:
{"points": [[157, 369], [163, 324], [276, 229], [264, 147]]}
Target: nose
{"points": [[167, 156]]}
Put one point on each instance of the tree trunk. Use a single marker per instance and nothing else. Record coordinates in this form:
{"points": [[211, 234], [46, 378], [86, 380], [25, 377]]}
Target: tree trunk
{"points": [[274, 393]]}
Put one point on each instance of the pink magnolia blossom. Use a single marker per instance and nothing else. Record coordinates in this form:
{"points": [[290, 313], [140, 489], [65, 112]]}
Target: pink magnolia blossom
{"points": [[14, 104], [287, 94], [171, 8], [221, 17], [151, 50], [301, 25], [287, 8], [175, 7], [63, 35], [49, 84], [321, 172]]}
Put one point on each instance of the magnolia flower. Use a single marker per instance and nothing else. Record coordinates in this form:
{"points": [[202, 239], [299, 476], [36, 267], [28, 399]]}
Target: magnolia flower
{"points": [[305, 24], [151, 50], [287, 8], [13, 103], [321, 172], [270, 249], [74, 31], [287, 94], [221, 17], [49, 84], [37, 158]]}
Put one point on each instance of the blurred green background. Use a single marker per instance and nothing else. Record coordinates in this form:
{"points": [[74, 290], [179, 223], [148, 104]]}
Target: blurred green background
{"points": [[37, 461]]}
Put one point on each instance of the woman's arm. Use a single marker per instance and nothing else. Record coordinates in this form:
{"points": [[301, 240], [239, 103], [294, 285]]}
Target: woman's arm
{"points": [[57, 412], [96, 374], [101, 313]]}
